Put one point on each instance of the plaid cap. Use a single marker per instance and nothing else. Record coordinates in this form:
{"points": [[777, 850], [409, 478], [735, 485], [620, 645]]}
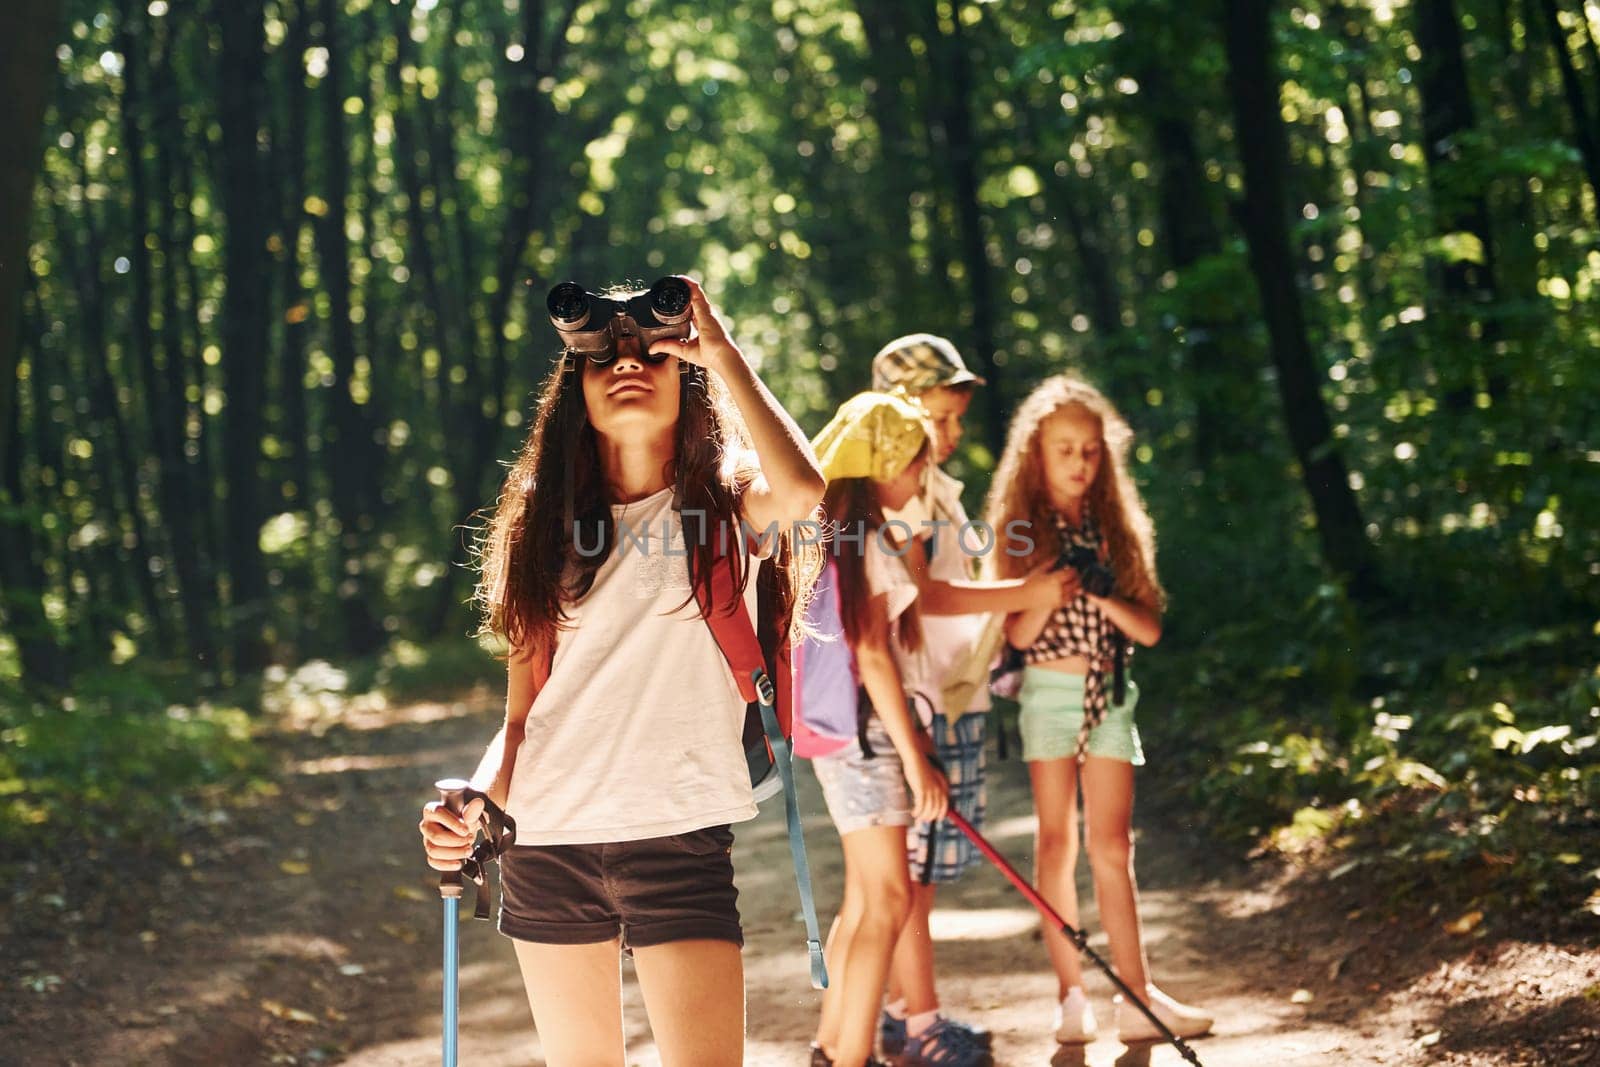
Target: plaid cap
{"points": [[918, 362]]}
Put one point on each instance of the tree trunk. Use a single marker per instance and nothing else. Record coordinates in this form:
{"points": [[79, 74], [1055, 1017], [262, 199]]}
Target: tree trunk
{"points": [[354, 466], [240, 96], [1096, 268], [195, 373], [1253, 85], [160, 382], [22, 579], [897, 147], [953, 69], [28, 33], [1466, 282], [473, 419], [1362, 150], [116, 443], [1223, 387], [1584, 131], [545, 46], [1519, 256], [189, 462], [295, 301], [379, 337], [420, 249], [1066, 193]]}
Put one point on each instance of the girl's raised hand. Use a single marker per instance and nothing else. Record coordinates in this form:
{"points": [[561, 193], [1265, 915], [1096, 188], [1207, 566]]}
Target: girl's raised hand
{"points": [[447, 837], [709, 345], [930, 792]]}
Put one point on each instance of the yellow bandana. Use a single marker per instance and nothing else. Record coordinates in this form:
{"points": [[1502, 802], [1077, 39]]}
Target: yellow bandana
{"points": [[873, 435]]}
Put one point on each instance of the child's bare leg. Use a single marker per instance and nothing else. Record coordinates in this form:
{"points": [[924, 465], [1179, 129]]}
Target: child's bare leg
{"points": [[694, 995], [575, 992], [911, 975], [1055, 799], [839, 938], [877, 855], [1108, 815]]}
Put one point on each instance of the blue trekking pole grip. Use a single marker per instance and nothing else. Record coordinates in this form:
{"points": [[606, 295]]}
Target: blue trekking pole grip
{"points": [[452, 794]]}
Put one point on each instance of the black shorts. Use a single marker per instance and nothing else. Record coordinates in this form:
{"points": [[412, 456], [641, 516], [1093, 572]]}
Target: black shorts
{"points": [[650, 892]]}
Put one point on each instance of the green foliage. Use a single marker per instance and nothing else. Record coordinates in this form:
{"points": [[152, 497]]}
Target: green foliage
{"points": [[1471, 775], [317, 695], [797, 157], [114, 760]]}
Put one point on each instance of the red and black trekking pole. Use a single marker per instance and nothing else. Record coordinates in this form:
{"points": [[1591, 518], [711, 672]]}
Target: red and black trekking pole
{"points": [[1072, 933]]}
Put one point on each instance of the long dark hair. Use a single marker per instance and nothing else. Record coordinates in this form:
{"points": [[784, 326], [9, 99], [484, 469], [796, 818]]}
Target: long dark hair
{"points": [[529, 566], [852, 503]]}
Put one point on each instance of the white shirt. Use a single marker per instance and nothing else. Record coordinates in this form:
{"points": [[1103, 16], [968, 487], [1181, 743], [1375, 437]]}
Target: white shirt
{"points": [[637, 732], [950, 638]]}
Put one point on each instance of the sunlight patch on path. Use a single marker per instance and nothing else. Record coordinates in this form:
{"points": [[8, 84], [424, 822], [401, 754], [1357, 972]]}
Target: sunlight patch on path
{"points": [[987, 924], [345, 764]]}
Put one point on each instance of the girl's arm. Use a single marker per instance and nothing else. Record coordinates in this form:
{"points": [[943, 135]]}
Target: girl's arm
{"points": [[929, 791], [1024, 627], [525, 676], [446, 836], [791, 483], [1140, 622], [1042, 589]]}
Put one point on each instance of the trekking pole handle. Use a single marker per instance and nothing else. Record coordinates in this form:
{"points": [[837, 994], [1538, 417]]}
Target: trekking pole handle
{"points": [[453, 796]]}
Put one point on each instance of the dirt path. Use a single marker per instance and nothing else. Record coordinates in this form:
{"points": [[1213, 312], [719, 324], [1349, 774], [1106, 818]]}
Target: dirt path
{"points": [[306, 931]]}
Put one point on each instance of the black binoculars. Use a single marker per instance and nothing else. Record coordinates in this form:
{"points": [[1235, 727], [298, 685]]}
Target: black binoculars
{"points": [[1097, 578], [593, 325]]}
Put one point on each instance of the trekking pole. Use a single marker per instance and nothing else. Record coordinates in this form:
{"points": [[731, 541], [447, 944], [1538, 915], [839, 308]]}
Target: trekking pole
{"points": [[493, 833], [1072, 933], [452, 794]]}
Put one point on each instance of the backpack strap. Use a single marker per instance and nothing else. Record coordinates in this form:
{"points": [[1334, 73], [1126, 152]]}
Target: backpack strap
{"points": [[797, 845], [737, 638], [731, 625]]}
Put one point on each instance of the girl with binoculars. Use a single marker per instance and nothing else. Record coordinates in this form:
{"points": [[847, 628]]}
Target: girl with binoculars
{"points": [[620, 756]]}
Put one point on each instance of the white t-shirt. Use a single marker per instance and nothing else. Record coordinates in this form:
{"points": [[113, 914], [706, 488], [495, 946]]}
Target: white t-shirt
{"points": [[637, 732], [950, 638]]}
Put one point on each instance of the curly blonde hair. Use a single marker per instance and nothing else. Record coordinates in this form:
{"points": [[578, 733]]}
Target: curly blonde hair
{"points": [[1019, 492]]}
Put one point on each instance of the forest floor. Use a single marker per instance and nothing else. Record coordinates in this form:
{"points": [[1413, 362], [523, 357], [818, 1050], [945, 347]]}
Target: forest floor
{"points": [[300, 926]]}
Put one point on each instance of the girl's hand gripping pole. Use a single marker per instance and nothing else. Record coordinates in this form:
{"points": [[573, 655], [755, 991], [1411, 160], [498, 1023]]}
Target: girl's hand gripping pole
{"points": [[452, 794]]}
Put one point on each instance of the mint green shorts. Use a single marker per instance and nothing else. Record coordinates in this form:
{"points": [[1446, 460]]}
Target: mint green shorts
{"points": [[1052, 713]]}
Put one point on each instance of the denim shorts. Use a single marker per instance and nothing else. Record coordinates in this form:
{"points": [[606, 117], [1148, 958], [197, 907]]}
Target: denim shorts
{"points": [[1052, 714], [862, 792], [959, 746], [649, 892]]}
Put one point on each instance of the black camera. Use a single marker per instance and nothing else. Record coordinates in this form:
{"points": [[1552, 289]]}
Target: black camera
{"points": [[594, 325], [1097, 578]]}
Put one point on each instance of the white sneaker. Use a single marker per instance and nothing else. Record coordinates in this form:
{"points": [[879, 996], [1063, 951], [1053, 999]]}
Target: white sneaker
{"points": [[1075, 1023], [1181, 1019]]}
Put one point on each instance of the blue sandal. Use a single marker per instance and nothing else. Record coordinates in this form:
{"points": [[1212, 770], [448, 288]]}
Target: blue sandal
{"points": [[946, 1044], [891, 1034]]}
